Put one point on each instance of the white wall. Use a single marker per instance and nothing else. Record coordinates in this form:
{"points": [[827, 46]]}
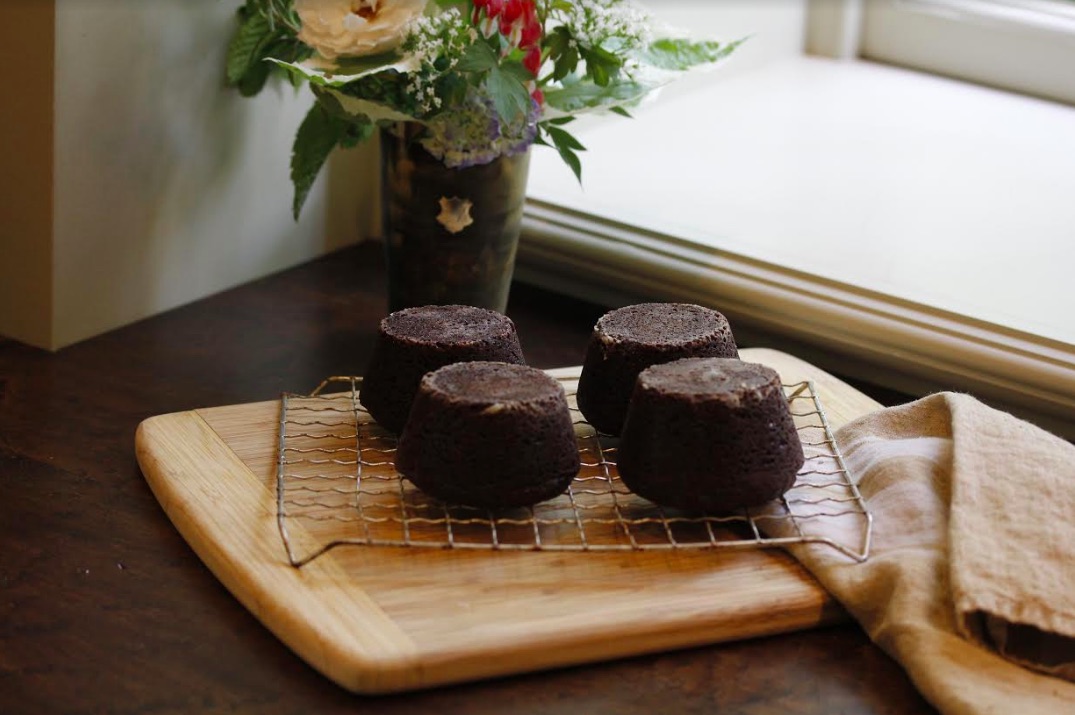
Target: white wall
{"points": [[168, 186]]}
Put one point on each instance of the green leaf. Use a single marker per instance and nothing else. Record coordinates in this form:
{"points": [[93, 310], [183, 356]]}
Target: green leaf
{"points": [[565, 64], [682, 54], [327, 74], [288, 49], [581, 95], [479, 57], [620, 111], [348, 68], [326, 126], [245, 48], [389, 90], [599, 73], [354, 128], [320, 132], [510, 96], [254, 80], [453, 89], [356, 108], [356, 133], [572, 160], [516, 70], [558, 40], [601, 65], [567, 145], [330, 102], [562, 51], [563, 139]]}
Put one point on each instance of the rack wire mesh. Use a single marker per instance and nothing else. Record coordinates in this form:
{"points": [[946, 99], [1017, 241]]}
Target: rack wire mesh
{"points": [[337, 485]]}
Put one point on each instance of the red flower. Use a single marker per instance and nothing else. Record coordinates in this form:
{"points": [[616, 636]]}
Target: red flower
{"points": [[532, 61], [516, 20], [491, 8], [531, 34], [513, 10]]}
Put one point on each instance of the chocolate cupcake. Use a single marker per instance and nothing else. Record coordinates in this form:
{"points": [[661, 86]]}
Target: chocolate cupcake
{"points": [[627, 341], [489, 435], [709, 434], [415, 341]]}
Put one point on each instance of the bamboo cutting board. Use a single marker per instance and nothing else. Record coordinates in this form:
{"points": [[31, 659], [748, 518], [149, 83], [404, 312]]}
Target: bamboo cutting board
{"points": [[385, 619]]}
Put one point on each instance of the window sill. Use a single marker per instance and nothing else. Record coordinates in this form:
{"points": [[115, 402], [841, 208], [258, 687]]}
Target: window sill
{"points": [[896, 227]]}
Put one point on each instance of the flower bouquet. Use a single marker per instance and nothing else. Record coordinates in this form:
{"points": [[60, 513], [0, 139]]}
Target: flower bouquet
{"points": [[460, 90]]}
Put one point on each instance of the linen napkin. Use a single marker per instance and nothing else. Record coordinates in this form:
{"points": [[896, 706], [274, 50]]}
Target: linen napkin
{"points": [[970, 583]]}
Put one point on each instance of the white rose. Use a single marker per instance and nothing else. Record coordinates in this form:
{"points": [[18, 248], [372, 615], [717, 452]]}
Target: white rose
{"points": [[353, 28]]}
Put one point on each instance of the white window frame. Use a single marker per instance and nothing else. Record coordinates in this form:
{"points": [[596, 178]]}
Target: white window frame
{"points": [[1025, 46]]}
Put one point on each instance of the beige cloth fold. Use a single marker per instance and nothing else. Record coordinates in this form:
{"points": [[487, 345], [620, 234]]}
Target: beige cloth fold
{"points": [[972, 567]]}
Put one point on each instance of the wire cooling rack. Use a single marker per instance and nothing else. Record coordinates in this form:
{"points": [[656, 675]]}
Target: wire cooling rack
{"points": [[337, 485]]}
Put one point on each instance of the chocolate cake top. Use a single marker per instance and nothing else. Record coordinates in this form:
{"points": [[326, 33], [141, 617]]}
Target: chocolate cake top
{"points": [[662, 323], [483, 382], [725, 379], [446, 324]]}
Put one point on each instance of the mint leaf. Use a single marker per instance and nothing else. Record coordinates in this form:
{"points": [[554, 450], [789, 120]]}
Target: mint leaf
{"points": [[326, 126], [288, 50], [349, 70], [681, 54], [254, 80], [356, 132], [245, 48], [368, 109], [350, 129], [329, 102], [352, 67], [318, 135]]}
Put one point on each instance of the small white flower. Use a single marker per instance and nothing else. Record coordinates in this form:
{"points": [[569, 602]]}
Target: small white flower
{"points": [[353, 28]]}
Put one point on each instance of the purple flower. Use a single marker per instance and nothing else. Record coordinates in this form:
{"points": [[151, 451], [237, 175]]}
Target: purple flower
{"points": [[473, 134]]}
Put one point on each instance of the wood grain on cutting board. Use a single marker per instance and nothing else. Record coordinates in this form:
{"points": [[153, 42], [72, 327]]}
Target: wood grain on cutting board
{"points": [[383, 619]]}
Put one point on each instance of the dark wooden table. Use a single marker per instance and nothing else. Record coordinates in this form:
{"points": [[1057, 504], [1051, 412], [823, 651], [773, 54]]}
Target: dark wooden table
{"points": [[104, 608]]}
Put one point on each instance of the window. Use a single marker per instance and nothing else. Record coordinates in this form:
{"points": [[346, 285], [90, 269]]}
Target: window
{"points": [[891, 225], [1022, 45]]}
